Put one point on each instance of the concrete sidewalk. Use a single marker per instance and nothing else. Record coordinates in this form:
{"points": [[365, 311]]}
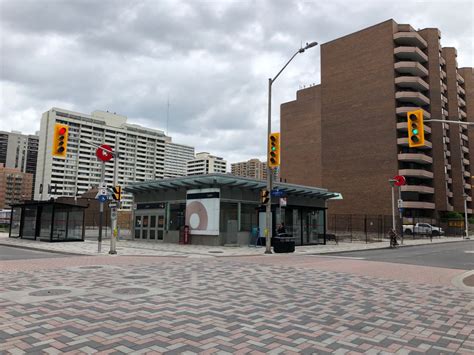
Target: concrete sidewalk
{"points": [[143, 248]]}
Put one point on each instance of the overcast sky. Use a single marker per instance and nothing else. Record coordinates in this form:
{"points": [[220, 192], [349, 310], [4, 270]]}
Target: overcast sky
{"points": [[211, 59]]}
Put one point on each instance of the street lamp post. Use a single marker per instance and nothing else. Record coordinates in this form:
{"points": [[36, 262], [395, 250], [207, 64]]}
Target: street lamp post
{"points": [[268, 230]]}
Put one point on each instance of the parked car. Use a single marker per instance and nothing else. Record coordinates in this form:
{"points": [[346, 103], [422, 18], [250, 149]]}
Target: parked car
{"points": [[422, 228]]}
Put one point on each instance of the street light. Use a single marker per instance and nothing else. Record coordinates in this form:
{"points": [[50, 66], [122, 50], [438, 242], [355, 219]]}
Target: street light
{"points": [[268, 234]]}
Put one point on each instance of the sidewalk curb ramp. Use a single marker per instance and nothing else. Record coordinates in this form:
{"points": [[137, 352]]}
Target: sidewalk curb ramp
{"points": [[464, 280]]}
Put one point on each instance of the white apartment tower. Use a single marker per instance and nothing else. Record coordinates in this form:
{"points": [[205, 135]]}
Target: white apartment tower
{"points": [[142, 154], [205, 163], [176, 158]]}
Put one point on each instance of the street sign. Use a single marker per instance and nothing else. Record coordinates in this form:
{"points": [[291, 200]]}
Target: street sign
{"points": [[399, 203], [102, 198], [278, 193], [102, 153], [399, 180]]}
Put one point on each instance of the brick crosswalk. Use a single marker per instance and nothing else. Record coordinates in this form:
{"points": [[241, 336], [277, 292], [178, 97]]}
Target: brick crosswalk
{"points": [[138, 305]]}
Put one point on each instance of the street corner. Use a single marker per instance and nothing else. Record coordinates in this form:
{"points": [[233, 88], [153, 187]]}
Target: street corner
{"points": [[464, 281]]}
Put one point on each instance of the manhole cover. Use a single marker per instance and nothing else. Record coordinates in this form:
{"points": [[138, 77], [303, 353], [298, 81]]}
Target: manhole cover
{"points": [[215, 251], [469, 281], [90, 267], [136, 277], [51, 292], [131, 291]]}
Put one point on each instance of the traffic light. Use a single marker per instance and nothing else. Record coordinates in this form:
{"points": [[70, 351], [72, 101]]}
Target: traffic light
{"points": [[274, 150], [416, 131], [60, 136], [117, 193], [264, 196]]}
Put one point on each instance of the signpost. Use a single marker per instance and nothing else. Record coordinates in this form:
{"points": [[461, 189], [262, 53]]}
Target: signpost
{"points": [[398, 181]]}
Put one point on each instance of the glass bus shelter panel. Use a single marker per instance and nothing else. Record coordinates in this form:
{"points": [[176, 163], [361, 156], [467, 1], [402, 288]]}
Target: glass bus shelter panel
{"points": [[46, 222], [314, 227], [16, 221], [29, 222], [138, 225], [59, 224], [75, 225]]}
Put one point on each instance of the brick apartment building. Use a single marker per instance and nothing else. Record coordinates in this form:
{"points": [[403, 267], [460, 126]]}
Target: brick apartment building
{"points": [[253, 168], [15, 186], [349, 134]]}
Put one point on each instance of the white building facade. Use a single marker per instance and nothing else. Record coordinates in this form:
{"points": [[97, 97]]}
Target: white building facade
{"points": [[205, 163], [142, 154], [176, 158]]}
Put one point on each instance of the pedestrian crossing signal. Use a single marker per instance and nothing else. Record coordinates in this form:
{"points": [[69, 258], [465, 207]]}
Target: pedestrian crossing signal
{"points": [[264, 196], [117, 193]]}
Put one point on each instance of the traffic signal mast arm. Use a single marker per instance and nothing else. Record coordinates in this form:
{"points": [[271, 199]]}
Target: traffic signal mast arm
{"points": [[455, 122], [98, 146]]}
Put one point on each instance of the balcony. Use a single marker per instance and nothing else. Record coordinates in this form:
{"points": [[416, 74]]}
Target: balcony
{"points": [[409, 39], [417, 188], [465, 161], [404, 142], [402, 111], [415, 158], [413, 68], [465, 149], [467, 186], [418, 173], [461, 91], [442, 74], [444, 87], [418, 204], [413, 97], [410, 53], [450, 194], [467, 174], [448, 166], [403, 126], [448, 153], [412, 82], [461, 102], [460, 78], [442, 61], [449, 180]]}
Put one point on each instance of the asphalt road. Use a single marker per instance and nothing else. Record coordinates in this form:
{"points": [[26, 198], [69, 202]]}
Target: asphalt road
{"points": [[10, 253], [459, 255]]}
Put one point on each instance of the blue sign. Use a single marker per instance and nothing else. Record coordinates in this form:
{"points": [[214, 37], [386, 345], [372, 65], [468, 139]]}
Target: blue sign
{"points": [[102, 198], [278, 193]]}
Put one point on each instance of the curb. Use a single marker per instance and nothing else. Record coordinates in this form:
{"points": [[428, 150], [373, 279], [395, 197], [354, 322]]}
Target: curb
{"points": [[43, 250], [387, 247]]}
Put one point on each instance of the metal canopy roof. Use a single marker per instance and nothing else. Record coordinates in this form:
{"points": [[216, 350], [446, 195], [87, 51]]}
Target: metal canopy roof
{"points": [[227, 180]]}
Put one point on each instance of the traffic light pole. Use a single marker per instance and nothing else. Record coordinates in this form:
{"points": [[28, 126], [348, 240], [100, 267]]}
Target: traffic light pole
{"points": [[113, 211], [268, 215], [101, 211]]}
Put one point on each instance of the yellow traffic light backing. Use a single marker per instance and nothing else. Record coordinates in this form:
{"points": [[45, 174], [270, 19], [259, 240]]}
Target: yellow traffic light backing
{"points": [[416, 131], [264, 196], [274, 150], [117, 193], [60, 136]]}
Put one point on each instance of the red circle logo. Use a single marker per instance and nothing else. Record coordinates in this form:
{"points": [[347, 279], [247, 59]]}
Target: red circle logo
{"points": [[399, 180]]}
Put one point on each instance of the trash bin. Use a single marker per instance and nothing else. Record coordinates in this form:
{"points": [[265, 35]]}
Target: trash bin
{"points": [[283, 243]]}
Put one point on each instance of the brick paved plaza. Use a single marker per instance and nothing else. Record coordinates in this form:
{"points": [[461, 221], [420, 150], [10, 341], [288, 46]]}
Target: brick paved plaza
{"points": [[278, 304]]}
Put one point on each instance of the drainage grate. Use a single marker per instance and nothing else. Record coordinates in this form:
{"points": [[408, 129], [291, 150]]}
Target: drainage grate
{"points": [[90, 267], [50, 292], [215, 251], [130, 291], [136, 277]]}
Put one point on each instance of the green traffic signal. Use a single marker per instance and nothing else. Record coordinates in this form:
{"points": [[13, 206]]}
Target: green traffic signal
{"points": [[415, 131]]}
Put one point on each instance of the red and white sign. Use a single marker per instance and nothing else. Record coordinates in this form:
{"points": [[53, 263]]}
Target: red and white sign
{"points": [[399, 180], [103, 154]]}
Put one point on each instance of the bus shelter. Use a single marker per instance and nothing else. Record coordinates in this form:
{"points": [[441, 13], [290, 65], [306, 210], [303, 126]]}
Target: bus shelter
{"points": [[49, 221]]}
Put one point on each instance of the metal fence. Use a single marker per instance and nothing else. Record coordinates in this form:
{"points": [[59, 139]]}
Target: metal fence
{"points": [[375, 228]]}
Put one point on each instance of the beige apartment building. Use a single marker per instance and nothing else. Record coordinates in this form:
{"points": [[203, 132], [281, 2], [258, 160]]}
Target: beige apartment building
{"points": [[253, 168], [349, 134], [15, 186]]}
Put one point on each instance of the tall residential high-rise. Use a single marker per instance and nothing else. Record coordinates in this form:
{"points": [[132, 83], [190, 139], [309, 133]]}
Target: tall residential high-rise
{"points": [[15, 186], [205, 163], [19, 151], [176, 158], [142, 153], [349, 134], [252, 168]]}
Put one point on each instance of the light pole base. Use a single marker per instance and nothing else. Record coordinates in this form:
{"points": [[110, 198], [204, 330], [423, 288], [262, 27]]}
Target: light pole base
{"points": [[268, 252], [112, 252]]}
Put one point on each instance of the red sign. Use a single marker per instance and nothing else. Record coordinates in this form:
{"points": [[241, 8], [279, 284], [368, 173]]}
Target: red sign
{"points": [[399, 180], [103, 154]]}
